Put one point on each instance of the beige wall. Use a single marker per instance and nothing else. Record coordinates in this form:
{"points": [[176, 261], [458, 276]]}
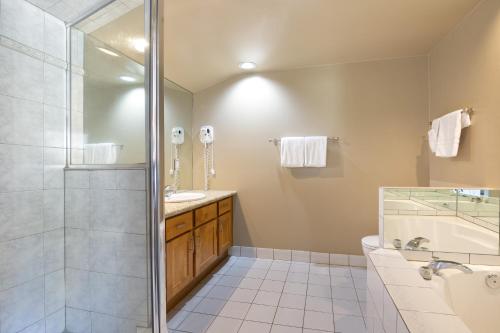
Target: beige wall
{"points": [[379, 109], [464, 71]]}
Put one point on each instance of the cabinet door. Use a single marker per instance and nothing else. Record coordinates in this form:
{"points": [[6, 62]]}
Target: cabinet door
{"points": [[205, 246], [179, 263], [225, 238]]}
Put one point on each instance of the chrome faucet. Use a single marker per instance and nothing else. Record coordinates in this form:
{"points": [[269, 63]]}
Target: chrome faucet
{"points": [[435, 267], [415, 243], [169, 190]]}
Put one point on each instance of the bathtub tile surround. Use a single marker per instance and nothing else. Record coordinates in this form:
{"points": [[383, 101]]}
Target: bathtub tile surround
{"points": [[32, 151], [106, 252], [298, 256], [400, 300], [234, 300]]}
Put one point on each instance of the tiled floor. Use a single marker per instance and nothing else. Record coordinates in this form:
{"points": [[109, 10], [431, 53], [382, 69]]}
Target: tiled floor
{"points": [[249, 295]]}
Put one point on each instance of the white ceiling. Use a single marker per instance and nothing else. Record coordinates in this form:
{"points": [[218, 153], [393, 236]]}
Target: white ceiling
{"points": [[206, 39]]}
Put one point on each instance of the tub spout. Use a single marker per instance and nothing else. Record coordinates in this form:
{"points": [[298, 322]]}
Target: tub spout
{"points": [[415, 243], [437, 265]]}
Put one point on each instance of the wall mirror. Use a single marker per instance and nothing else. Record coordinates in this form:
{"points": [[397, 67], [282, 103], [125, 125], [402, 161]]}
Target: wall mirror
{"points": [[441, 219]]}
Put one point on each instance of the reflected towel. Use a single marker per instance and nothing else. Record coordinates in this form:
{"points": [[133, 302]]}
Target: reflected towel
{"points": [[292, 152], [433, 135], [100, 153], [315, 151]]}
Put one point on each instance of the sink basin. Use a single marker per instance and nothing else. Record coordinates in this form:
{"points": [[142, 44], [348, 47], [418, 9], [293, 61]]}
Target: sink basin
{"points": [[185, 196]]}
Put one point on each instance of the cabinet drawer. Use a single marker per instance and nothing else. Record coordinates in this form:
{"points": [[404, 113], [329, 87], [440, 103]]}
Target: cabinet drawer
{"points": [[178, 225], [205, 214], [225, 205]]}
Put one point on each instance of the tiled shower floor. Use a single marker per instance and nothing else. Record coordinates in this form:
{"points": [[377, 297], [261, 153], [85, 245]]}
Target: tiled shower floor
{"points": [[249, 295]]}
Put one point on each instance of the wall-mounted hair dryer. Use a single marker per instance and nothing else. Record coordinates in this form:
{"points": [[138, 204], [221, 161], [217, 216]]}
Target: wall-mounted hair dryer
{"points": [[207, 137], [176, 140]]}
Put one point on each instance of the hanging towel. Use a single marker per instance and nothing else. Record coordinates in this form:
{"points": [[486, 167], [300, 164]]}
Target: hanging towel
{"points": [[100, 153], [465, 119], [433, 134], [292, 152], [315, 151], [448, 138]]}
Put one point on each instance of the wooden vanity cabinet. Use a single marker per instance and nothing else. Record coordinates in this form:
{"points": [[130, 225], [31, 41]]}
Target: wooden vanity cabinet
{"points": [[196, 242], [179, 263]]}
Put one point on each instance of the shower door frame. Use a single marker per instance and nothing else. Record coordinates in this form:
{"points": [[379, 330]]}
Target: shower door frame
{"points": [[153, 28]]}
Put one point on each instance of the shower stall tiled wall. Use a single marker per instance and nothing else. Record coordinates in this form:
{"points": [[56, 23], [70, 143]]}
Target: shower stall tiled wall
{"points": [[32, 158]]}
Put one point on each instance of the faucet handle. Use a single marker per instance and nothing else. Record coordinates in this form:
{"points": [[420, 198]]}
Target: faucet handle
{"points": [[426, 272]]}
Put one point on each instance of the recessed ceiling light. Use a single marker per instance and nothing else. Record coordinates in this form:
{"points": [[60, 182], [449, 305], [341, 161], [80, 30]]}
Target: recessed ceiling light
{"points": [[108, 52], [139, 44], [247, 65], [127, 78]]}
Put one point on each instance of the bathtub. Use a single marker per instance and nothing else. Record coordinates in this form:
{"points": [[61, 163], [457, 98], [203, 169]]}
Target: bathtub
{"points": [[446, 233], [469, 297]]}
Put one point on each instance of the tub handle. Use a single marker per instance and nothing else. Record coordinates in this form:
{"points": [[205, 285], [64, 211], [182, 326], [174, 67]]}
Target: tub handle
{"points": [[492, 281]]}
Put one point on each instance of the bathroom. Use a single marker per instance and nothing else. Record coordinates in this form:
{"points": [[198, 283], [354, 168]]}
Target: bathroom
{"points": [[267, 166]]}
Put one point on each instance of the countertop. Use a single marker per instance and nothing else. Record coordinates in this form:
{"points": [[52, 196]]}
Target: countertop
{"points": [[172, 209]]}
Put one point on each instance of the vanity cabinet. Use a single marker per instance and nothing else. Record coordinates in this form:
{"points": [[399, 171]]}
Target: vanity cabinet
{"points": [[197, 241]]}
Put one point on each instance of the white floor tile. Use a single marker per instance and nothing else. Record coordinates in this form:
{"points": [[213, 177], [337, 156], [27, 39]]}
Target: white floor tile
{"points": [[276, 275], [274, 286], [229, 281], [261, 313], [262, 264], [243, 295], [196, 323], [361, 293], [191, 303], [344, 293], [360, 283], [221, 292], [323, 280], [342, 281], [256, 273], [349, 324], [267, 298], [244, 262], [307, 330], [292, 301], [225, 325], [297, 277], [289, 317], [319, 291], [254, 327], [319, 304], [344, 271], [319, 321], [358, 272], [237, 271], [322, 269], [295, 288], [236, 310], [299, 267], [210, 306], [280, 265], [250, 283], [285, 329], [203, 291], [175, 319], [346, 307]]}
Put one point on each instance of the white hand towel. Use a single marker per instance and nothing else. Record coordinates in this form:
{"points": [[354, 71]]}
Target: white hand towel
{"points": [[100, 153], [292, 152], [433, 134], [465, 119], [315, 151], [448, 139]]}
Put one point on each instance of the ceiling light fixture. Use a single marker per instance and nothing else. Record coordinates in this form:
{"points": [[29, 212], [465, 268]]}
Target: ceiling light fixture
{"points": [[108, 52], [139, 44], [247, 65], [127, 78]]}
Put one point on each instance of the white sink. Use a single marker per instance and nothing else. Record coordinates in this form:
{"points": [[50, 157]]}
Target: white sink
{"points": [[185, 196]]}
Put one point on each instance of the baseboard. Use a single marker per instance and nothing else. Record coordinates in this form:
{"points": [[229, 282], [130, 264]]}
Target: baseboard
{"points": [[298, 256]]}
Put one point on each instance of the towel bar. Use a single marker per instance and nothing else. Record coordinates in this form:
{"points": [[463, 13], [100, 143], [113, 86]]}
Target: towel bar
{"points": [[468, 110], [330, 139]]}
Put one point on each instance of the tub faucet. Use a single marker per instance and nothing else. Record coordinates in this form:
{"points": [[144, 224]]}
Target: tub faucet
{"points": [[437, 265], [415, 243]]}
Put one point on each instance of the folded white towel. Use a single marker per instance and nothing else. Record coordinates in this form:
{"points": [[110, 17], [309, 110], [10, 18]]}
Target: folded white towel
{"points": [[448, 138], [433, 134], [100, 153], [315, 151], [292, 152]]}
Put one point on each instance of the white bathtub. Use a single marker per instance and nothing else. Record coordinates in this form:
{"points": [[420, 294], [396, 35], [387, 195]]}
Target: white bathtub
{"points": [[446, 233], [467, 294]]}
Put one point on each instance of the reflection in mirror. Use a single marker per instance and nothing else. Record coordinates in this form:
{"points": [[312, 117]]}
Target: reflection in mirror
{"points": [[439, 219]]}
